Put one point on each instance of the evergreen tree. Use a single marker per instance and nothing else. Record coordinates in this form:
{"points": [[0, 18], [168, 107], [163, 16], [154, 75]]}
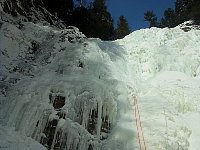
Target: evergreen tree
{"points": [[94, 21], [123, 28], [62, 8], [170, 19], [101, 24], [175, 17], [195, 11], [99, 5], [81, 19], [151, 18], [182, 10], [83, 3]]}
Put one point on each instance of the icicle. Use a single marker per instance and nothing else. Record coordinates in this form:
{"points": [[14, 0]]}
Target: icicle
{"points": [[99, 119], [54, 138]]}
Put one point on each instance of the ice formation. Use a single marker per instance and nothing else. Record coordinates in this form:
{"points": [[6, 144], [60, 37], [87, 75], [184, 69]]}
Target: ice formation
{"points": [[65, 91], [67, 105]]}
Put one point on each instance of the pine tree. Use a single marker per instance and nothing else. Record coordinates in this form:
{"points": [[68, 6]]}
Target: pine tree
{"points": [[83, 3], [151, 18], [99, 5], [170, 19], [101, 24], [62, 8], [182, 10], [81, 19], [123, 28], [195, 11], [94, 21]]}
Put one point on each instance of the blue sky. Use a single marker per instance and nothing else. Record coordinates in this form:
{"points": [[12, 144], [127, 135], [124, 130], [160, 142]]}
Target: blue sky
{"points": [[134, 10]]}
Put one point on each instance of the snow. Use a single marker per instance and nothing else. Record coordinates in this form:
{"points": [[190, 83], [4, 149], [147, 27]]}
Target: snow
{"points": [[83, 89], [11, 140]]}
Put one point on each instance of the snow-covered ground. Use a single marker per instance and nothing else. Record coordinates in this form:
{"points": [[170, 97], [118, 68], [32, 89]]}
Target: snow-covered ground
{"points": [[69, 92]]}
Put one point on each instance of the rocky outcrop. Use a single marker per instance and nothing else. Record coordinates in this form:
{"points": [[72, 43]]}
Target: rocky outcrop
{"points": [[30, 10], [189, 25]]}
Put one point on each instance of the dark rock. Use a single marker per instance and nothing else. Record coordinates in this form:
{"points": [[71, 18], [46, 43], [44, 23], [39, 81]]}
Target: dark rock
{"points": [[90, 147], [59, 102], [92, 122], [80, 64], [49, 131]]}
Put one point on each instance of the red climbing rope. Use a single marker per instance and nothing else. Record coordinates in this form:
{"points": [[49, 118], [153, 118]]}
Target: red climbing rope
{"points": [[140, 134]]}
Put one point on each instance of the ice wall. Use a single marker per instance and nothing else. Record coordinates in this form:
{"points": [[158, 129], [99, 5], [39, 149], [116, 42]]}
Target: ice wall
{"points": [[69, 92], [63, 95]]}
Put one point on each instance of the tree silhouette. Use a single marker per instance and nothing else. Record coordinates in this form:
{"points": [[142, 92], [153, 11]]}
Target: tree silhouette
{"points": [[195, 11], [62, 8], [151, 18], [123, 28], [170, 19]]}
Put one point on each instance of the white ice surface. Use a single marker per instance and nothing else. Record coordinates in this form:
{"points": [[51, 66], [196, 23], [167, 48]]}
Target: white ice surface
{"points": [[11, 140], [159, 66]]}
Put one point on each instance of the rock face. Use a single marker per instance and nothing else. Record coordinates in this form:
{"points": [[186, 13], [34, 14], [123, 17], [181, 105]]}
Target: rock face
{"points": [[189, 25], [30, 10]]}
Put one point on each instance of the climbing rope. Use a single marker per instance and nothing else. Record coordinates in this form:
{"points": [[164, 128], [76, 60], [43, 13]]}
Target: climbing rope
{"points": [[140, 134]]}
